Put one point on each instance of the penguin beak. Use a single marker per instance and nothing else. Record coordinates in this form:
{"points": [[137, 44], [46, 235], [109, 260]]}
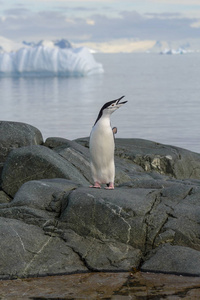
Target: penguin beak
{"points": [[118, 103]]}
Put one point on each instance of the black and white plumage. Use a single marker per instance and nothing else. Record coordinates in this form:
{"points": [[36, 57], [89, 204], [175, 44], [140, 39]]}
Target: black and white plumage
{"points": [[102, 146]]}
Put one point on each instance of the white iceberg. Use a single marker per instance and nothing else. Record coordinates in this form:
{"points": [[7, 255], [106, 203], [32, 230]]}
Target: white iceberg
{"points": [[7, 45], [49, 61], [173, 51]]}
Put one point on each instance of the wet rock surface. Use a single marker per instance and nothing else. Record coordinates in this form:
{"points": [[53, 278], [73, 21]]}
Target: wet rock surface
{"points": [[114, 286], [52, 223]]}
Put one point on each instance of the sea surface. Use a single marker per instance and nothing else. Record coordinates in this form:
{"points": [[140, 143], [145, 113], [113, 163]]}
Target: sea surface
{"points": [[163, 94]]}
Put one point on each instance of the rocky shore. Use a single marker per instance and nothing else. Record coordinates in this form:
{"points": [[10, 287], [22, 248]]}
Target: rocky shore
{"points": [[52, 223]]}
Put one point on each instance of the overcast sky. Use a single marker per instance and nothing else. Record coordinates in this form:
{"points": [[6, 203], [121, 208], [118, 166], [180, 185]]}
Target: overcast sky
{"points": [[99, 21]]}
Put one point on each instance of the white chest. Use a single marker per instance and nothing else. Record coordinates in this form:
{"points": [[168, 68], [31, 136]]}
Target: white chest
{"points": [[102, 140]]}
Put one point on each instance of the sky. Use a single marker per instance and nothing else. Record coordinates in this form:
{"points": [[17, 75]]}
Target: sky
{"points": [[99, 21]]}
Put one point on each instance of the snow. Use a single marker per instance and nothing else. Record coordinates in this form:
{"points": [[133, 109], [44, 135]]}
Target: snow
{"points": [[47, 59]]}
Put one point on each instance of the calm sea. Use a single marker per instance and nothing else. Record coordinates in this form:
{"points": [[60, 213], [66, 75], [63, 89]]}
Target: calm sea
{"points": [[163, 93]]}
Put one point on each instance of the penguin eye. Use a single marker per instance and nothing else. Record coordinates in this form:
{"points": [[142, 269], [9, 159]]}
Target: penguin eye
{"points": [[113, 104]]}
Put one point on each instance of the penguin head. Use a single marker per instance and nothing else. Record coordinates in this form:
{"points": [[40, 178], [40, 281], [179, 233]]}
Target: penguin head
{"points": [[109, 107]]}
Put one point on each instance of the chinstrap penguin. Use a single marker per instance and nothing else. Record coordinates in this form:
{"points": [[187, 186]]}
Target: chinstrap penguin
{"points": [[102, 146]]}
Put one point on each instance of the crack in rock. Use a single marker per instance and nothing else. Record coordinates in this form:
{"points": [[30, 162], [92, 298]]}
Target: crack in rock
{"points": [[117, 210], [35, 256], [19, 237]]}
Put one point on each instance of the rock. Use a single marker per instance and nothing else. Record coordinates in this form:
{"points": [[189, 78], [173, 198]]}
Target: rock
{"points": [[103, 256], [15, 135], [27, 215], [54, 142], [4, 198], [123, 214], [78, 157], [33, 163], [60, 144], [83, 141], [43, 194], [175, 260], [121, 177], [109, 230], [164, 159], [114, 241], [150, 221], [26, 251]]}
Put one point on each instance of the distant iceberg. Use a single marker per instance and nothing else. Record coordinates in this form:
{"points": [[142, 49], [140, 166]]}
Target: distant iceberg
{"points": [[48, 60], [173, 51]]}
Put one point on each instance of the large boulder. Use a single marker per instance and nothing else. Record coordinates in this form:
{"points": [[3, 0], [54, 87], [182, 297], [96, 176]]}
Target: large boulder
{"points": [[100, 255], [174, 260], [33, 163], [45, 194], [75, 154], [15, 135], [164, 159], [59, 144], [27, 251], [123, 214]]}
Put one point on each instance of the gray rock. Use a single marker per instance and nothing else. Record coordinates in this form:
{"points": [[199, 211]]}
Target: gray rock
{"points": [[15, 135], [103, 256], [142, 219], [60, 144], [164, 159], [54, 142], [38, 201], [123, 214], [151, 218], [55, 257], [83, 141], [43, 194], [26, 214], [26, 251], [174, 259], [33, 163], [4, 198], [78, 159]]}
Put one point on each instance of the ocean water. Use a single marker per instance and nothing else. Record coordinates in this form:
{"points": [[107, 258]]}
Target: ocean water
{"points": [[163, 94]]}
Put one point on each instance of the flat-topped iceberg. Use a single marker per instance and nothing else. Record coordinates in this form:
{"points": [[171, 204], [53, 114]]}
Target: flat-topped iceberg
{"points": [[49, 61]]}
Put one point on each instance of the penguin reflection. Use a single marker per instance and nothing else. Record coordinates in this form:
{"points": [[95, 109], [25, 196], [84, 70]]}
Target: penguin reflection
{"points": [[102, 146]]}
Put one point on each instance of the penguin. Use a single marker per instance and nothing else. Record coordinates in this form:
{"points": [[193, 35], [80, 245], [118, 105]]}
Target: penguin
{"points": [[102, 146]]}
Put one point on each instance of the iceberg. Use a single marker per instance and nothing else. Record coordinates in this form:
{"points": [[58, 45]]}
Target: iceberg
{"points": [[173, 51], [44, 60]]}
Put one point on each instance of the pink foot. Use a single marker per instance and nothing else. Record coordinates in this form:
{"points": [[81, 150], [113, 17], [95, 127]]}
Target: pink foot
{"points": [[96, 185], [110, 187]]}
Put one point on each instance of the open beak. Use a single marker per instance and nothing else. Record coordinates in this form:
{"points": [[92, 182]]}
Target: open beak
{"points": [[118, 103]]}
